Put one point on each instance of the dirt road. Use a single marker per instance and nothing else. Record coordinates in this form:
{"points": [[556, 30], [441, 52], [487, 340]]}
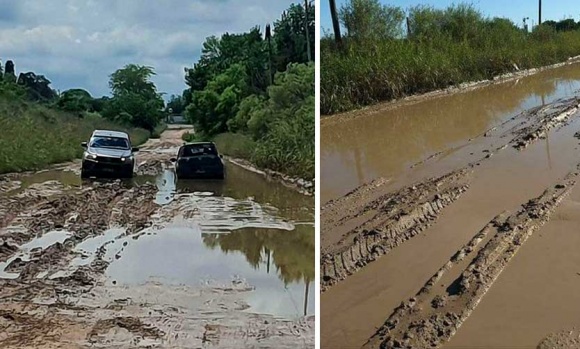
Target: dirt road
{"points": [[153, 262], [472, 247]]}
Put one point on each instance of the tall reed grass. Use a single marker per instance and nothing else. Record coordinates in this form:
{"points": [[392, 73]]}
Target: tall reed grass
{"points": [[365, 72]]}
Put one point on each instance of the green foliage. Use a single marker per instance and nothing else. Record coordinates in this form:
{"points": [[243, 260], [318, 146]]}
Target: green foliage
{"points": [[282, 125], [212, 107], [176, 104], [563, 25], [370, 20], [158, 130], [75, 100], [236, 145], [446, 47], [38, 86], [35, 136], [9, 69], [289, 39], [229, 93], [135, 99], [219, 54]]}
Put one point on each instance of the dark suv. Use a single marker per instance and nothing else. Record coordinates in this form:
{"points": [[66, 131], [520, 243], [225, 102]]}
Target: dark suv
{"points": [[199, 160], [108, 153]]}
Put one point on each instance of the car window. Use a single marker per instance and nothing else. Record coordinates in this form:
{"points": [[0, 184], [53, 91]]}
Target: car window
{"points": [[195, 150], [110, 142]]}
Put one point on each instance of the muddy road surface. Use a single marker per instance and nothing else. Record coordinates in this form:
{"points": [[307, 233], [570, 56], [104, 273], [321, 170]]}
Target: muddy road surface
{"points": [[154, 262], [469, 240]]}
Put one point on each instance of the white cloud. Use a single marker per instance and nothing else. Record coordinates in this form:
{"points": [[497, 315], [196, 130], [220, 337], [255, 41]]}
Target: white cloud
{"points": [[79, 43]]}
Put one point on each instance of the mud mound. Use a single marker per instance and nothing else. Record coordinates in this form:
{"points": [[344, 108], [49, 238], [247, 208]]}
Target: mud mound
{"points": [[101, 330], [538, 121], [434, 314], [391, 220], [81, 214], [152, 167], [569, 339]]}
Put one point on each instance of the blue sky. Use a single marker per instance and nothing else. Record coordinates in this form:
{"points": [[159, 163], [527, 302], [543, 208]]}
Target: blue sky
{"points": [[513, 9], [79, 43]]}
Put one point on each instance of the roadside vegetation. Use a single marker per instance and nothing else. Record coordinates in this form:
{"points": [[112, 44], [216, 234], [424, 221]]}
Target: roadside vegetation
{"points": [[253, 93], [388, 53], [41, 126]]}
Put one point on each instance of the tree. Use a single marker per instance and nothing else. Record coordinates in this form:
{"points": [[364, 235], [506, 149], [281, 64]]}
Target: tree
{"points": [[370, 20], [135, 97], [9, 68], [38, 86], [289, 36], [9, 74], [211, 109], [133, 79], [176, 104], [75, 100], [247, 49]]}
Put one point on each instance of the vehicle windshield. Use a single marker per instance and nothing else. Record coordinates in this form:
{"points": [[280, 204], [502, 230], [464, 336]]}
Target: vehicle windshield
{"points": [[195, 150], [109, 142]]}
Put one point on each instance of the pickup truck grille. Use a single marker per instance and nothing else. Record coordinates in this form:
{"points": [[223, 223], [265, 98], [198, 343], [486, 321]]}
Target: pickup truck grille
{"points": [[109, 160]]}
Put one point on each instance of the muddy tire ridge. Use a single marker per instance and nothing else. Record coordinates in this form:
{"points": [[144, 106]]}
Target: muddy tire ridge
{"points": [[392, 219], [446, 300]]}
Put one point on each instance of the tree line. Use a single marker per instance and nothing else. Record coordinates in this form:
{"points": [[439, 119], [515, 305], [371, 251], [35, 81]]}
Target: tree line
{"points": [[135, 101], [252, 90], [387, 52], [259, 85]]}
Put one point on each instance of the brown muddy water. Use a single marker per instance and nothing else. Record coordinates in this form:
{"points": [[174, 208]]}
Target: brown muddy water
{"points": [[154, 261], [460, 231], [357, 150], [245, 227]]}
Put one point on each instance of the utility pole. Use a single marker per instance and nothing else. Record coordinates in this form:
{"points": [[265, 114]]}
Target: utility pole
{"points": [[540, 12], [335, 23], [408, 28], [306, 27], [269, 37]]}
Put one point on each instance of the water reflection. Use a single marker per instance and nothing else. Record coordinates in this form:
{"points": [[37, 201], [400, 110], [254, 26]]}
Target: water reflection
{"points": [[291, 253], [358, 150]]}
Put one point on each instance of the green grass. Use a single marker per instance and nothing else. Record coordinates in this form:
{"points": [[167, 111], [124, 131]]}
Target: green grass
{"points": [[286, 154], [235, 145], [366, 73], [34, 136], [159, 130]]}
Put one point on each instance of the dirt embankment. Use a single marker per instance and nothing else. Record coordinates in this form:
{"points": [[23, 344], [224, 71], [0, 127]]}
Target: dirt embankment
{"points": [[381, 217], [54, 254], [301, 185]]}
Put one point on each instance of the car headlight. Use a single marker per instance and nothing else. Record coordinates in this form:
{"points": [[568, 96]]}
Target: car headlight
{"points": [[90, 156], [127, 159]]}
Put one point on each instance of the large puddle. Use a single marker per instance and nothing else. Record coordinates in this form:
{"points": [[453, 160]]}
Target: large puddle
{"points": [[241, 230], [357, 150]]}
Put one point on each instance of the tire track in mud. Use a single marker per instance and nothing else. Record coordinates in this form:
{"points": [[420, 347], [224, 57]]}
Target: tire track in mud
{"points": [[393, 219], [372, 228], [538, 121], [57, 242], [83, 214], [436, 312]]}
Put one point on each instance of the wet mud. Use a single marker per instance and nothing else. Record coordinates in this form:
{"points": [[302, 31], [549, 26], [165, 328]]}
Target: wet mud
{"points": [[392, 219], [408, 260], [152, 261]]}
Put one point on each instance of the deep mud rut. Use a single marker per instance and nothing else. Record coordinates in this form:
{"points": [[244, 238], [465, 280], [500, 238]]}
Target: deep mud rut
{"points": [[154, 263], [409, 262]]}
